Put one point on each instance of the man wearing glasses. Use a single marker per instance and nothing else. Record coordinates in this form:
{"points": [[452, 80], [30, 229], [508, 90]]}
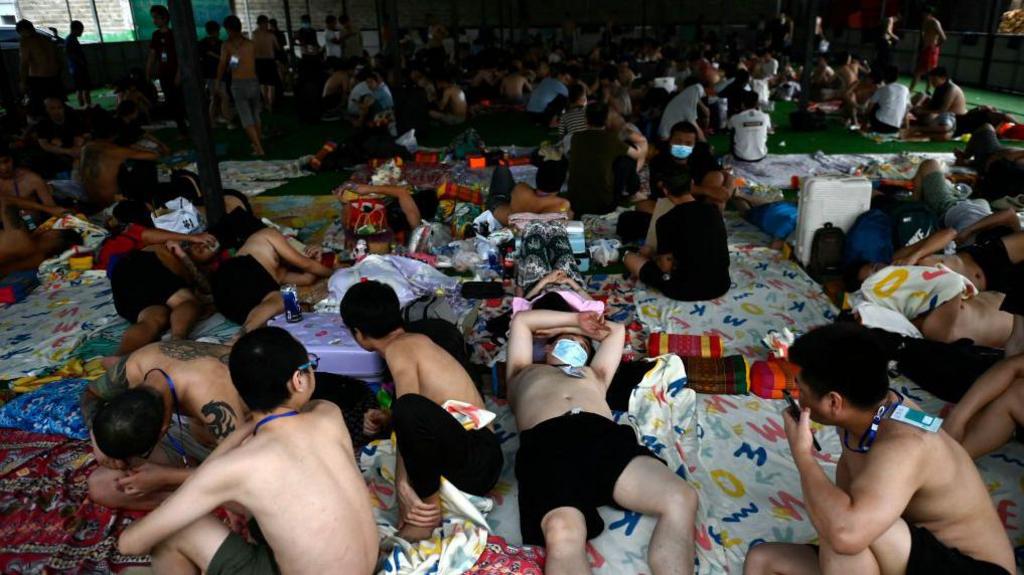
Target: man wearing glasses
{"points": [[154, 416], [290, 467]]}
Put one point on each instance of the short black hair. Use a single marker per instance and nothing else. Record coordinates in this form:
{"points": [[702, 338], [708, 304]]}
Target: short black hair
{"points": [[365, 74], [851, 275], [677, 180], [24, 26], [212, 27], [372, 308], [551, 175], [750, 100], [331, 18], [691, 80], [939, 72], [232, 23], [68, 239], [261, 19], [160, 10], [133, 212], [576, 91], [552, 301], [684, 127], [130, 424], [845, 358], [597, 114], [891, 74], [262, 363], [77, 25]]}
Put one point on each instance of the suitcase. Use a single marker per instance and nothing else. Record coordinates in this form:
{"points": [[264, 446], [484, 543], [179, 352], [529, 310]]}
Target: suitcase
{"points": [[323, 334], [828, 199]]}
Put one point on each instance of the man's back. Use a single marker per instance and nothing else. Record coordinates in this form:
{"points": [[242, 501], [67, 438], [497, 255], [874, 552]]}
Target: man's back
{"points": [[41, 55], [951, 501], [591, 179], [694, 234], [242, 62], [264, 43], [440, 377]]}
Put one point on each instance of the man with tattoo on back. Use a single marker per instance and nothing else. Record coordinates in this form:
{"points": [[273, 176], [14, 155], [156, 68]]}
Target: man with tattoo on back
{"points": [[154, 416]]}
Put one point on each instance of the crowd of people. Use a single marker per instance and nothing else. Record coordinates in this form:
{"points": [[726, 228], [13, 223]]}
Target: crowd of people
{"points": [[179, 426]]}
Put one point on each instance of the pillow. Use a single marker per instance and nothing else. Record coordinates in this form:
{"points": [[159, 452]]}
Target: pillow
{"points": [[53, 408]]}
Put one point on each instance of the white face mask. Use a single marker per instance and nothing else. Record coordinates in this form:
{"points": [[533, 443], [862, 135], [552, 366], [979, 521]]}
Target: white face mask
{"points": [[570, 353]]}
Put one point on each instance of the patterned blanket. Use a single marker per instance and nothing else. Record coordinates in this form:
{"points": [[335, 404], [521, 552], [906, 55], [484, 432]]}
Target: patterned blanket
{"points": [[777, 170]]}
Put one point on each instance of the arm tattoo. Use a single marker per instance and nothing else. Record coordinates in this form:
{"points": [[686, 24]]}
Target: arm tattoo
{"points": [[188, 350], [198, 278], [220, 419]]}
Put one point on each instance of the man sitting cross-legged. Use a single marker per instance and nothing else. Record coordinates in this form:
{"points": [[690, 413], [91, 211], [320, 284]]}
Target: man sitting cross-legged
{"points": [[155, 414], [906, 499], [290, 467], [573, 458], [431, 442]]}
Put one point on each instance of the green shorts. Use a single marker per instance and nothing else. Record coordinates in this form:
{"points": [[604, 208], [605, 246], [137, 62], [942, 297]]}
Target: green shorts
{"points": [[237, 556]]}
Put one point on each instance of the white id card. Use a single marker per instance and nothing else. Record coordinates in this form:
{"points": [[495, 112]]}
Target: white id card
{"points": [[918, 419]]}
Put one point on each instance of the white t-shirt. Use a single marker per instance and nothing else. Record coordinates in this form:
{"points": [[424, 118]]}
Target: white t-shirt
{"points": [[682, 108], [769, 68], [359, 91], [892, 102], [750, 135], [332, 50]]}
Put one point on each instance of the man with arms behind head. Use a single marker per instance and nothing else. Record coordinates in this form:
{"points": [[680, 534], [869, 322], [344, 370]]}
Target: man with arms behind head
{"points": [[431, 442], [290, 466], [573, 458], [905, 500], [137, 416]]}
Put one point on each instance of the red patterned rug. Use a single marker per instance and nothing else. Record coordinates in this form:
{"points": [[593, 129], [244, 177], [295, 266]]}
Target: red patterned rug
{"points": [[47, 525]]}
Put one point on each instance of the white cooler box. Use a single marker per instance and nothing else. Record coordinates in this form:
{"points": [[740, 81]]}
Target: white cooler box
{"points": [[325, 335], [828, 199]]}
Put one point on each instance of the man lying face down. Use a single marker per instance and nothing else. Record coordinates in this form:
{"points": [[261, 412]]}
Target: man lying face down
{"points": [[907, 498], [431, 442], [573, 458], [154, 416], [290, 467]]}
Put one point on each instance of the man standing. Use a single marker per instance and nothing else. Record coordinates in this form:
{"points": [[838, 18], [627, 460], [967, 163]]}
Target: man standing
{"points": [[332, 38], [351, 38], [907, 497], [265, 47], [39, 73], [77, 65], [238, 55], [932, 37], [163, 65], [573, 458]]}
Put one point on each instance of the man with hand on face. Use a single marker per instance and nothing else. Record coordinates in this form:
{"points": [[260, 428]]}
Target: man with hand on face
{"points": [[573, 458], [907, 498]]}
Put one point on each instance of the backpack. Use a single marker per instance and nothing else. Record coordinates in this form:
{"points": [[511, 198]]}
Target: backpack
{"points": [[869, 238], [429, 306], [911, 222], [826, 250]]}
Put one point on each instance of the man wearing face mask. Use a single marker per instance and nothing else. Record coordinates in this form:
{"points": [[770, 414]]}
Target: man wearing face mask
{"points": [[573, 458]]}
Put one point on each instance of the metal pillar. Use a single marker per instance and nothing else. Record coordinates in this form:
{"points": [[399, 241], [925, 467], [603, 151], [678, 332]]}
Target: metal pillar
{"points": [[389, 37], [185, 43], [96, 20], [805, 78], [289, 37]]}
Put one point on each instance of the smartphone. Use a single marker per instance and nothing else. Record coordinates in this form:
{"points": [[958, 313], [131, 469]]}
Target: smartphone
{"points": [[794, 410]]}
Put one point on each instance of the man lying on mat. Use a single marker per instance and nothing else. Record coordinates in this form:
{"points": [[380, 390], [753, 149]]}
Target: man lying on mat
{"points": [[573, 458], [431, 442], [907, 497], [154, 416], [290, 467]]}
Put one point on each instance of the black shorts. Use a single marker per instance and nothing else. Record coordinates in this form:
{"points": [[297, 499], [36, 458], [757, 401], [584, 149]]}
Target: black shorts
{"points": [[572, 460], [81, 78], [266, 72], [239, 285], [881, 127], [991, 257], [140, 280]]}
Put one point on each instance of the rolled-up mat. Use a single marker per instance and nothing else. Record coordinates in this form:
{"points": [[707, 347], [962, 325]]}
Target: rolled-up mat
{"points": [[722, 375], [684, 345]]}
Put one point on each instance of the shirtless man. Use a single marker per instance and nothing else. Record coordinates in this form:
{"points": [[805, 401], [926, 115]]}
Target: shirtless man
{"points": [[154, 416], [238, 55], [21, 249], [60, 134], [246, 288], [573, 458], [290, 467], [506, 197], [431, 443], [26, 186], [39, 72], [515, 86], [991, 411], [265, 47], [451, 109], [101, 165], [905, 500], [932, 37], [937, 116]]}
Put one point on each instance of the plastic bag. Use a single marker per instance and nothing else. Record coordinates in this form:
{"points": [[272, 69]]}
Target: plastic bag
{"points": [[604, 252], [408, 141]]}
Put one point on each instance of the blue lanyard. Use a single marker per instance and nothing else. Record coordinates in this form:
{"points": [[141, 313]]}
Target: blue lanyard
{"points": [[270, 418], [869, 436], [175, 444]]}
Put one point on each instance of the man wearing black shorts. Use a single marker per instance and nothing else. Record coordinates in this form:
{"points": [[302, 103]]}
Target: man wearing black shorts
{"points": [[573, 458], [906, 499]]}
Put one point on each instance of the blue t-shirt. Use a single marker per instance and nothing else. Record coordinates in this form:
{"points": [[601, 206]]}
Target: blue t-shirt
{"points": [[383, 97], [544, 93]]}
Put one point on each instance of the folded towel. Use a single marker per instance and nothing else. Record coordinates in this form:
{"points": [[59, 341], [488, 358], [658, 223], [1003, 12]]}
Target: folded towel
{"points": [[684, 345], [769, 378], [721, 375]]}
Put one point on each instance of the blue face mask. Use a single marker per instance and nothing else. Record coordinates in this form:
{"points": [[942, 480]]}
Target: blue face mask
{"points": [[681, 152], [570, 353]]}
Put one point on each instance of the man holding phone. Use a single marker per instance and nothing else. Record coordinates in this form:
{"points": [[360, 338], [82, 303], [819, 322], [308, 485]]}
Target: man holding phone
{"points": [[907, 498]]}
